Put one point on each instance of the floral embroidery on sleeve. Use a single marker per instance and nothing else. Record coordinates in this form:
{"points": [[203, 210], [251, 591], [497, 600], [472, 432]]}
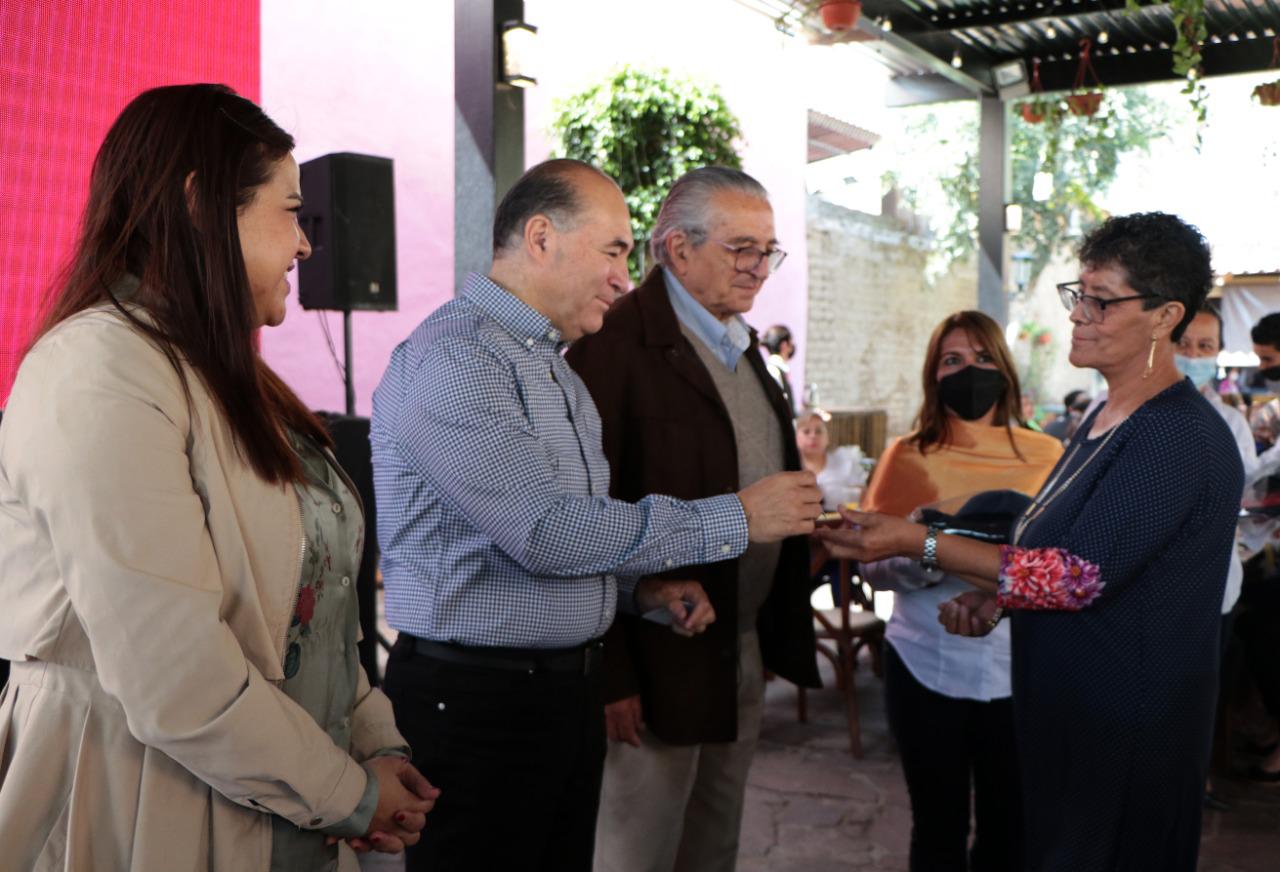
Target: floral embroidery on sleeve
{"points": [[1047, 578]]}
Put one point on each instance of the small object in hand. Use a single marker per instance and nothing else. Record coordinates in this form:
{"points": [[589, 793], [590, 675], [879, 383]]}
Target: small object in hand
{"points": [[829, 519], [664, 616]]}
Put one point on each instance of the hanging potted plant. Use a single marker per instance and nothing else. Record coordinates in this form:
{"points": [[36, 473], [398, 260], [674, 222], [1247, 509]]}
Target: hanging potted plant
{"points": [[1268, 94], [1038, 108], [840, 15], [1086, 98]]}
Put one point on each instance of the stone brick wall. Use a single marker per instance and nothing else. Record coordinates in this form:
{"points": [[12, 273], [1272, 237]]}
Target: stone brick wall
{"points": [[871, 310]]}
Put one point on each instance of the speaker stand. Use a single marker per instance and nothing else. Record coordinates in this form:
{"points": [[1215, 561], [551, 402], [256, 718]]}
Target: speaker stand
{"points": [[346, 362]]}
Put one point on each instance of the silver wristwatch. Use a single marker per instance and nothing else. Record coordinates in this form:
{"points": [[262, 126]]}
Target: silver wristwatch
{"points": [[929, 559]]}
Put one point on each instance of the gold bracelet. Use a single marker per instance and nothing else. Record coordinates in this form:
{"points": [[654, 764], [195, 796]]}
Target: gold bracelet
{"points": [[995, 617]]}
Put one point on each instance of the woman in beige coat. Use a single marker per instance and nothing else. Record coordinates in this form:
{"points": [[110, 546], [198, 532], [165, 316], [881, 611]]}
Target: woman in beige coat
{"points": [[185, 691]]}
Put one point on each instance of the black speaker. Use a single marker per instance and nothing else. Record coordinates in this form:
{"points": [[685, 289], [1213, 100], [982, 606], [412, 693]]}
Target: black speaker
{"points": [[349, 215]]}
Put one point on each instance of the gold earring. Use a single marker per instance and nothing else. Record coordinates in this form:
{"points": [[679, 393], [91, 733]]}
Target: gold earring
{"points": [[1151, 358]]}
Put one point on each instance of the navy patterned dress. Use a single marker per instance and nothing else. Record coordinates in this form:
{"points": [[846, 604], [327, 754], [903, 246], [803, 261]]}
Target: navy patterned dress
{"points": [[1114, 696]]}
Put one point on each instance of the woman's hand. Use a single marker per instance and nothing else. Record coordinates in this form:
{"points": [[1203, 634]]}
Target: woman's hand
{"points": [[972, 613], [404, 798], [873, 536]]}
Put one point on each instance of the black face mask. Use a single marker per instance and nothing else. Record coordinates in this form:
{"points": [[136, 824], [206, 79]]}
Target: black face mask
{"points": [[972, 391]]}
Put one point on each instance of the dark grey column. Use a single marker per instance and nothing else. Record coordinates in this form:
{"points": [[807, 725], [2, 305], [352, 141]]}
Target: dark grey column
{"points": [[993, 184], [488, 129]]}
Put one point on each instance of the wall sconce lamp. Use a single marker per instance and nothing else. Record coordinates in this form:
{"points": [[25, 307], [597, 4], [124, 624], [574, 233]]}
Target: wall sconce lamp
{"points": [[518, 44], [1020, 263]]}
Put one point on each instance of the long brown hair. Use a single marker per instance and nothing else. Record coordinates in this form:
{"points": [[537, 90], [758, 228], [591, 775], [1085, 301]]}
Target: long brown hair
{"points": [[180, 238], [933, 423]]}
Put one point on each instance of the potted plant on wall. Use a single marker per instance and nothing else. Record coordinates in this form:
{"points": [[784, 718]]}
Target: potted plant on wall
{"points": [[1268, 94]]}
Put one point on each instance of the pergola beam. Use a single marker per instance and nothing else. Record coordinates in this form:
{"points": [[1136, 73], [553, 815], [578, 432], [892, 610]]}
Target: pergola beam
{"points": [[1000, 14]]}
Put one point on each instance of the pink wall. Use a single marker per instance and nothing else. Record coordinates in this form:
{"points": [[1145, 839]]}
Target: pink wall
{"points": [[721, 43], [374, 78], [66, 71]]}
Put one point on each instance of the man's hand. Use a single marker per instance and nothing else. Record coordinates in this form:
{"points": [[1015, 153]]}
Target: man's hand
{"points": [[691, 611], [972, 613], [782, 505], [622, 720]]}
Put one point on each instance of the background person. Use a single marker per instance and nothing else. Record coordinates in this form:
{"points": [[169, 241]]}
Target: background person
{"points": [[1197, 359], [948, 698], [839, 470], [1116, 574], [177, 544], [781, 347]]}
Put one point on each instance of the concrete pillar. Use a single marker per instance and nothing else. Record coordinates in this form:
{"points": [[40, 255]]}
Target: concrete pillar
{"points": [[993, 187], [488, 129]]}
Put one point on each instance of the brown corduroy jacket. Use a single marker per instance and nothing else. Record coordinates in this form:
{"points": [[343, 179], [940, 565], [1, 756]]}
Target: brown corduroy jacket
{"points": [[666, 431]]}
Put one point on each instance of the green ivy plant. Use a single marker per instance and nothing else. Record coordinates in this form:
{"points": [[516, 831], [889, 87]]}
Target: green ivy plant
{"points": [[646, 128], [1190, 31]]}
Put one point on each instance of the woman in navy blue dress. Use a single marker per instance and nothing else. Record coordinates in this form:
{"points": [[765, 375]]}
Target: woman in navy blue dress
{"points": [[1114, 579]]}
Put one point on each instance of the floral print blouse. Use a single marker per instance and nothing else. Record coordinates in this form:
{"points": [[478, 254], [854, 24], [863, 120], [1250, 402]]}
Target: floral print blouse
{"points": [[321, 663], [1046, 578]]}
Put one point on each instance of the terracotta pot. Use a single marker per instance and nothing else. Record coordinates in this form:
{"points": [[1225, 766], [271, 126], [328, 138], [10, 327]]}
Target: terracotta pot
{"points": [[1085, 104], [840, 15], [1034, 112], [1268, 94]]}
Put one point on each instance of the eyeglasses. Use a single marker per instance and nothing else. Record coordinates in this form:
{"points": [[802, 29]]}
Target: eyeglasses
{"points": [[1095, 308], [746, 258]]}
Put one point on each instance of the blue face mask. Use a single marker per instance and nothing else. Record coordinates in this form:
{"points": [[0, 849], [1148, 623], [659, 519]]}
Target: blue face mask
{"points": [[1201, 370]]}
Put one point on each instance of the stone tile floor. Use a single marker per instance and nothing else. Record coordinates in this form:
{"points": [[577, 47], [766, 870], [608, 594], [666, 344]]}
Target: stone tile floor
{"points": [[812, 808]]}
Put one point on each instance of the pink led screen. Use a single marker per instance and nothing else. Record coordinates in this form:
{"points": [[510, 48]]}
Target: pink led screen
{"points": [[66, 70]]}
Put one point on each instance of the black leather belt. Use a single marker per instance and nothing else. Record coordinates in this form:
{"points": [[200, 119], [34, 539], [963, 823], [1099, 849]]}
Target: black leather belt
{"points": [[582, 660]]}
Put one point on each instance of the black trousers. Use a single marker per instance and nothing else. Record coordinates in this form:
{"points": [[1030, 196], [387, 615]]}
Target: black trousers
{"points": [[518, 758], [1257, 628], [951, 748]]}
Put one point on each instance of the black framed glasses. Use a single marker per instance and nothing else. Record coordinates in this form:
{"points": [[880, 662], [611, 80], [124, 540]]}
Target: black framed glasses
{"points": [[1094, 308], [746, 258]]}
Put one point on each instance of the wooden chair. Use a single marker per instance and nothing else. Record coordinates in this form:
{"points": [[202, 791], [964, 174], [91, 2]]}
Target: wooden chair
{"points": [[842, 632]]}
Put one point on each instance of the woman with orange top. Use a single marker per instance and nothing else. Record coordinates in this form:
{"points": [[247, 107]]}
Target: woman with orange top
{"points": [[948, 699]]}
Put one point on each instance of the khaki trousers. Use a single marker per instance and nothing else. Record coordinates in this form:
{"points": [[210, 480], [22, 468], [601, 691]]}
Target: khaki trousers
{"points": [[678, 808]]}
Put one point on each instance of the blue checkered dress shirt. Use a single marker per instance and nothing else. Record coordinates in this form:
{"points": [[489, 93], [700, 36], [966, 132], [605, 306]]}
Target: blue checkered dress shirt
{"points": [[492, 488]]}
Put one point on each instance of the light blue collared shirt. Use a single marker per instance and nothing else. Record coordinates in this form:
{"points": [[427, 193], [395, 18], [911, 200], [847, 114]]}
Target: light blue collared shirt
{"points": [[492, 487], [726, 341]]}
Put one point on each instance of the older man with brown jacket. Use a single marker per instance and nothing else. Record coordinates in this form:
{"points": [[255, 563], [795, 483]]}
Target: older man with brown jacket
{"points": [[689, 410]]}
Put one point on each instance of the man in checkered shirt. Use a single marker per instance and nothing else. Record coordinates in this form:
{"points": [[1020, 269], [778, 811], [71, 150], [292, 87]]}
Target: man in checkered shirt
{"points": [[503, 556]]}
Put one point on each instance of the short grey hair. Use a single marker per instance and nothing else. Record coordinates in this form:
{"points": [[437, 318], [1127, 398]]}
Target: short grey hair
{"points": [[686, 208]]}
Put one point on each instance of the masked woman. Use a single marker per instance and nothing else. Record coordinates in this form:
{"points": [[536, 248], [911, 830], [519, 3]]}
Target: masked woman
{"points": [[948, 698]]}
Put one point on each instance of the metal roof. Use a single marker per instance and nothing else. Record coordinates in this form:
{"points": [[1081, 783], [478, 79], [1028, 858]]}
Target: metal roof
{"points": [[829, 136], [920, 39]]}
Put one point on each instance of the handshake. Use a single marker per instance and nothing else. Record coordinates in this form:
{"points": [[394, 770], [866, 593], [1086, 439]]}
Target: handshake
{"points": [[404, 798]]}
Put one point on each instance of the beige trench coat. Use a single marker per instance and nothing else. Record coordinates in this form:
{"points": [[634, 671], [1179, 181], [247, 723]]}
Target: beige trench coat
{"points": [[147, 577]]}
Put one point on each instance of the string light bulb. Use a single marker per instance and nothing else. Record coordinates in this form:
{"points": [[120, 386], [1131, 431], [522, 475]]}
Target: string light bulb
{"points": [[1050, 32], [1103, 36], [956, 61]]}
